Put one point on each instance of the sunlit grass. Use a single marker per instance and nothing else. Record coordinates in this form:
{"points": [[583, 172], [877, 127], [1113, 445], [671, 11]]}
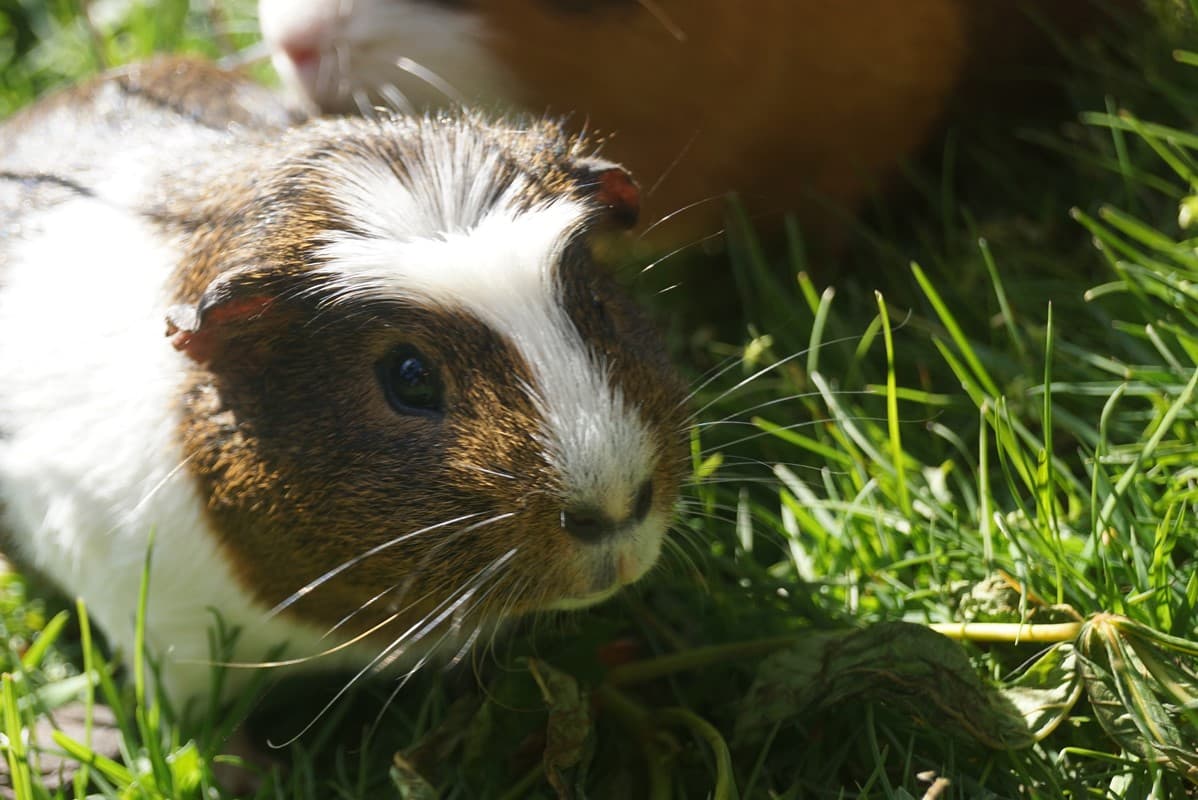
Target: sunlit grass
{"points": [[1001, 444]]}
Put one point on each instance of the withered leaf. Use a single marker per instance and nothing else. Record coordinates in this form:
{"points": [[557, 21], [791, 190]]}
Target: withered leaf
{"points": [[904, 666]]}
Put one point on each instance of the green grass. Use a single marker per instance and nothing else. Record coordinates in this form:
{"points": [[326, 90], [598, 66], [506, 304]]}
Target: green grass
{"points": [[1005, 433]]}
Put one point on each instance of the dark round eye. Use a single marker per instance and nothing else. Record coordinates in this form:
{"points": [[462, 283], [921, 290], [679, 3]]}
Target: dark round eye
{"points": [[410, 382]]}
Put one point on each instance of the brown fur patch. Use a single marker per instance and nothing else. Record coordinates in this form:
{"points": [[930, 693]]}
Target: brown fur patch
{"points": [[774, 99]]}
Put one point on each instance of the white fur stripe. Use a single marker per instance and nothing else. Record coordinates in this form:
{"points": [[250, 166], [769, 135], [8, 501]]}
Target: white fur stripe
{"points": [[498, 264]]}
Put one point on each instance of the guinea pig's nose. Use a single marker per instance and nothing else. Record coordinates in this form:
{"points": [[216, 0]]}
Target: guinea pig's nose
{"points": [[592, 524], [588, 523], [642, 504]]}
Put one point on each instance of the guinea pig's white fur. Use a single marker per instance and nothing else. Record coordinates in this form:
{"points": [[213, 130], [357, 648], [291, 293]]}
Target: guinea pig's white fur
{"points": [[337, 54], [91, 461]]}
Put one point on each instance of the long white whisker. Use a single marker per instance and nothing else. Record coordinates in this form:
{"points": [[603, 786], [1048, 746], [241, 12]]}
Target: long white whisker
{"points": [[677, 211], [398, 100], [776, 401], [337, 570], [157, 487], [734, 361], [678, 250], [363, 104], [413, 635], [666, 21], [421, 627], [665, 174], [452, 537], [432, 79], [763, 371], [805, 424], [494, 472]]}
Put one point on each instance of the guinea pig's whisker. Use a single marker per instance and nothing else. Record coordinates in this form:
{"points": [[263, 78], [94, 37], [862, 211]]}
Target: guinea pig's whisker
{"points": [[728, 367], [291, 662], [810, 423], [732, 518], [401, 589], [153, 490], [335, 72], [457, 610], [432, 79], [701, 513], [708, 380], [346, 619], [494, 472], [395, 98], [736, 480], [457, 657], [362, 101], [681, 248], [767, 369], [665, 174], [467, 645], [515, 595], [421, 629], [399, 685], [805, 424], [679, 553], [681, 210], [343, 566], [732, 418], [667, 22], [463, 593], [732, 463]]}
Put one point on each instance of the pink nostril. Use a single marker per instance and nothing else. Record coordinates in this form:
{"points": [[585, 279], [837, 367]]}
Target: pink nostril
{"points": [[302, 54]]}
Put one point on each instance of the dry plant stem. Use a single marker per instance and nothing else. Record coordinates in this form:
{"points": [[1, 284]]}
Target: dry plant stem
{"points": [[651, 669], [1011, 632], [641, 671]]}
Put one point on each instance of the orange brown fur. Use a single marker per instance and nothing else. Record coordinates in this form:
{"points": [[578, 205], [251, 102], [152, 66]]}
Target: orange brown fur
{"points": [[782, 101]]}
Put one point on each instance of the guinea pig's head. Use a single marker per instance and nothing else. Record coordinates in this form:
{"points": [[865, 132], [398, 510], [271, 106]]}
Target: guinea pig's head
{"points": [[335, 55], [416, 399], [345, 55]]}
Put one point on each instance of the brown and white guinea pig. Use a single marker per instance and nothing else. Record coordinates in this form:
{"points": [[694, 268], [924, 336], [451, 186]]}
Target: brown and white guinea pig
{"points": [[800, 105], [356, 376]]}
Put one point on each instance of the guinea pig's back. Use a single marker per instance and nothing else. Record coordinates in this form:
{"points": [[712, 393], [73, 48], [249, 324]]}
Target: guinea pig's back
{"points": [[112, 138]]}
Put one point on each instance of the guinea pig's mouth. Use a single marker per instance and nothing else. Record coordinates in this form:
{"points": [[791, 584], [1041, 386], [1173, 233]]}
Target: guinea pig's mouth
{"points": [[618, 570], [586, 600]]}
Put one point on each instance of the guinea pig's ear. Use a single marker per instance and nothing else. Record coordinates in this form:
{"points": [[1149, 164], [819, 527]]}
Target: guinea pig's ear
{"points": [[231, 302], [610, 186]]}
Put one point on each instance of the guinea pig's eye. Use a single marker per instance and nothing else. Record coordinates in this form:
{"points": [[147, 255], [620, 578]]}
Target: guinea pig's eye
{"points": [[410, 381]]}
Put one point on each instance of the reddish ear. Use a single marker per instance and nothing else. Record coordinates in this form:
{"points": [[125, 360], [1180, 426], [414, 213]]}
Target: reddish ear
{"points": [[613, 188], [229, 302]]}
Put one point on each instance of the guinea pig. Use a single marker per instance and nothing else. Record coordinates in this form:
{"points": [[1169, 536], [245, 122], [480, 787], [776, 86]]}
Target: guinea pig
{"points": [[362, 380], [797, 105]]}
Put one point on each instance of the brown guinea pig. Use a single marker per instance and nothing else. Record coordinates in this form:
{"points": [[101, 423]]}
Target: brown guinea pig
{"points": [[800, 105], [362, 379]]}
